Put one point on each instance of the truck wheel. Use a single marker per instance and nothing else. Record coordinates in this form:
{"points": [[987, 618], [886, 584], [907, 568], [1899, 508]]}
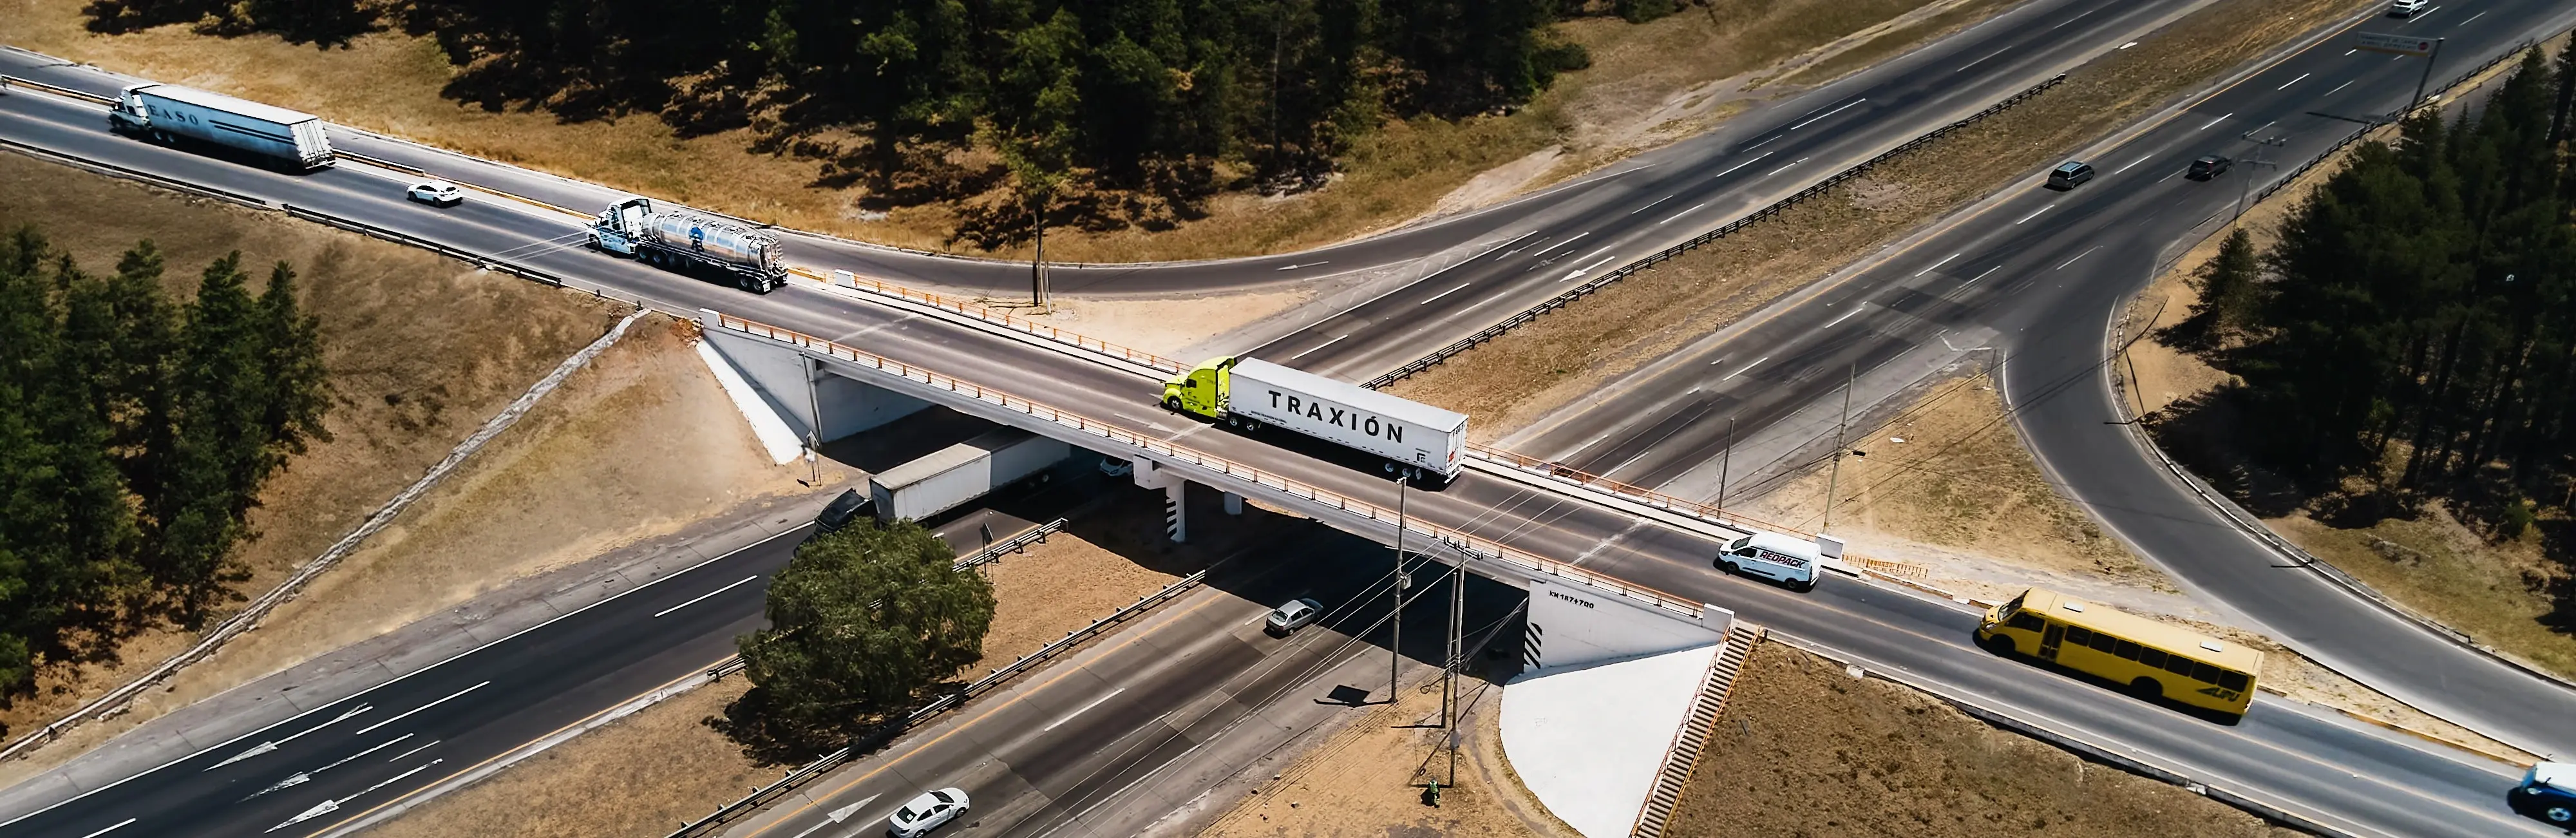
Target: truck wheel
{"points": [[1172, 403], [1803, 587], [1730, 568]]}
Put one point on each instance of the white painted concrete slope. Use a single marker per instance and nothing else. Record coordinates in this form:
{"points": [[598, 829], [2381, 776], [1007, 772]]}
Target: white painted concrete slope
{"points": [[1588, 738]]}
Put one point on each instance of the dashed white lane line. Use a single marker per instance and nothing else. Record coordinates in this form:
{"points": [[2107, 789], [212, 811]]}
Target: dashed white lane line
{"points": [[1944, 261], [1846, 316], [423, 747], [1445, 293], [1731, 169], [2466, 22], [694, 600], [2087, 252], [408, 713], [2221, 118], [2286, 85], [1085, 708], [119, 825], [1963, 67], [1678, 215], [1973, 280], [1747, 368], [2062, 24], [1564, 243], [1312, 349], [2339, 87], [2132, 164], [2035, 213], [1811, 120], [1652, 205], [1791, 163]]}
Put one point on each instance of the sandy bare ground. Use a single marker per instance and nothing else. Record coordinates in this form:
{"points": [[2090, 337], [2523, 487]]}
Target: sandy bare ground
{"points": [[1805, 749], [1165, 326], [673, 768], [1367, 780], [422, 350]]}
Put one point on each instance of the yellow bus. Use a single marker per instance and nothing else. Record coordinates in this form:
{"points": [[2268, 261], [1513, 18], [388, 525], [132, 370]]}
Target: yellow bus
{"points": [[2153, 659]]}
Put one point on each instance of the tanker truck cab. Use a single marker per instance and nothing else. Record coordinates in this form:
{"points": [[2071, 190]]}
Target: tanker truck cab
{"points": [[1201, 389], [613, 230], [1772, 556]]}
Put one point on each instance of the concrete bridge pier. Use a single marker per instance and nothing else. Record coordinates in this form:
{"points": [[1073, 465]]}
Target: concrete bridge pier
{"points": [[816, 403]]}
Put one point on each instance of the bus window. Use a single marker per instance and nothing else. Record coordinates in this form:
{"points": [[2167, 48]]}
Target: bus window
{"points": [[2153, 658], [2178, 665], [2128, 650], [2105, 644], [2079, 636], [2204, 673], [2231, 679], [2027, 621]]}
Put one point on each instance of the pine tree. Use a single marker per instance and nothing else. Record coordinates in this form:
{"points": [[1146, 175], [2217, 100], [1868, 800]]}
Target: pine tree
{"points": [[298, 383], [218, 455]]}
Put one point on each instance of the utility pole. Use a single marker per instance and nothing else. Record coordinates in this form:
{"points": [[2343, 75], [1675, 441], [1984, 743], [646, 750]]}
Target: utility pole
{"points": [[2426, 78], [1395, 641], [1834, 475], [2245, 185], [1724, 460], [1037, 261]]}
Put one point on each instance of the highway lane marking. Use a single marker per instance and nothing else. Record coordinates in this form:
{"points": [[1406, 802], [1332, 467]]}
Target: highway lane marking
{"points": [[1307, 265], [2035, 213], [2466, 22], [2087, 252], [1689, 211], [450, 697], [1786, 168], [1587, 268], [329, 806], [1085, 709], [1563, 243], [1846, 106], [1507, 244], [1461, 286], [2221, 118], [119, 825], [1731, 169], [841, 814], [1846, 316], [302, 777], [2419, 16], [694, 600], [2169, 176], [1973, 280], [1604, 249], [1964, 67], [1747, 368], [2132, 164], [2062, 25], [1764, 142], [1944, 261], [1652, 205], [1317, 346], [2339, 87], [424, 746], [2351, 51], [271, 745], [2286, 85]]}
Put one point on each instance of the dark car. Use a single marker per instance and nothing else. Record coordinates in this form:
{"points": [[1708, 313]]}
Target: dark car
{"points": [[840, 511], [2070, 174], [2209, 167], [2547, 794]]}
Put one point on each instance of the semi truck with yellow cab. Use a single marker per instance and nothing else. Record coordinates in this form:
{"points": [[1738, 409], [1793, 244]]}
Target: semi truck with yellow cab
{"points": [[1412, 438]]}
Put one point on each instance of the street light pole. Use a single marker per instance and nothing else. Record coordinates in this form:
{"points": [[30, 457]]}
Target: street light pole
{"points": [[1835, 473]]}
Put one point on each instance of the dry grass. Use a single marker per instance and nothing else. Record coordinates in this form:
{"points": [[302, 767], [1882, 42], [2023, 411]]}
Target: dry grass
{"points": [[1869, 757], [421, 351], [1366, 781], [390, 83], [1896, 40], [671, 767], [1961, 495], [1513, 380]]}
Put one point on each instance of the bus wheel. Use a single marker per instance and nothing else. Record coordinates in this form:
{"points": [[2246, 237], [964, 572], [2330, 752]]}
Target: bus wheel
{"points": [[2000, 645], [1172, 403], [2146, 688]]}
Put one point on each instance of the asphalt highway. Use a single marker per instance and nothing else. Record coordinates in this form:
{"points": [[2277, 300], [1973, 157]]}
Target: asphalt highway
{"points": [[1660, 199], [2035, 278], [2335, 770]]}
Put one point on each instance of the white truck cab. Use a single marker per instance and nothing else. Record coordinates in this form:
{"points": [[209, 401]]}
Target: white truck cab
{"points": [[1773, 556]]}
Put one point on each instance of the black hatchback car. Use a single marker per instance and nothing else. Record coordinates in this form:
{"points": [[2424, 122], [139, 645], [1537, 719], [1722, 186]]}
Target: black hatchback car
{"points": [[2547, 794], [2070, 174], [2209, 167]]}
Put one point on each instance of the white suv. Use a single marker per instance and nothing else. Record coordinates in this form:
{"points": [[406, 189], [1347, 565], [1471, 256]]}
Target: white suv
{"points": [[2407, 8], [437, 193], [931, 810]]}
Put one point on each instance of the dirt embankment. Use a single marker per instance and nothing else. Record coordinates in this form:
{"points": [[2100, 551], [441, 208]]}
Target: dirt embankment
{"points": [[1805, 749], [1367, 780], [1648, 84], [1559, 359], [421, 351], [673, 768]]}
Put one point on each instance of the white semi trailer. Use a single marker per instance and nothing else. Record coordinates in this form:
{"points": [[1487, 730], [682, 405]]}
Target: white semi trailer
{"points": [[173, 115], [687, 241], [1410, 436], [962, 472]]}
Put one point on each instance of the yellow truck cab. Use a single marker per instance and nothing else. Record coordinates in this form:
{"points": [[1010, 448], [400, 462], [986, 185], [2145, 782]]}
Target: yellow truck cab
{"points": [[1201, 390]]}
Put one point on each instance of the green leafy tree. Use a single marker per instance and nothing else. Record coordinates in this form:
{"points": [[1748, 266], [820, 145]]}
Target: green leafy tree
{"points": [[862, 622]]}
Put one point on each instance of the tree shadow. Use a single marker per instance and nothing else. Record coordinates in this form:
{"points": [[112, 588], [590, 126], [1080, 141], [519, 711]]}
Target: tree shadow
{"points": [[2210, 434]]}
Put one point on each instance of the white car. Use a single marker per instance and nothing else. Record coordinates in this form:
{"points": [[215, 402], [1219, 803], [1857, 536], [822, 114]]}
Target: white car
{"points": [[2407, 8], [436, 193], [1292, 616], [929, 811]]}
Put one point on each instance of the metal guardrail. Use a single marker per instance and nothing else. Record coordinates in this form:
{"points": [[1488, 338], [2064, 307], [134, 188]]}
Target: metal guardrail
{"points": [[989, 315], [879, 736], [1622, 272], [7, 81], [1113, 434]]}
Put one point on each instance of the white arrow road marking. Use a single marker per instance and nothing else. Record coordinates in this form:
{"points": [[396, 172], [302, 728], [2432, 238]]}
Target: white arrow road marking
{"points": [[119, 825], [840, 814], [329, 806], [302, 777], [1588, 268], [1307, 265], [450, 697], [266, 747]]}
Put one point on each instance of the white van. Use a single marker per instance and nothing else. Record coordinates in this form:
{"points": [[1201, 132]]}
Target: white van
{"points": [[1772, 556]]}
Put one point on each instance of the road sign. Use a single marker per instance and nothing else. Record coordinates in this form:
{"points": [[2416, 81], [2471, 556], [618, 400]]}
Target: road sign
{"points": [[2399, 44]]}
